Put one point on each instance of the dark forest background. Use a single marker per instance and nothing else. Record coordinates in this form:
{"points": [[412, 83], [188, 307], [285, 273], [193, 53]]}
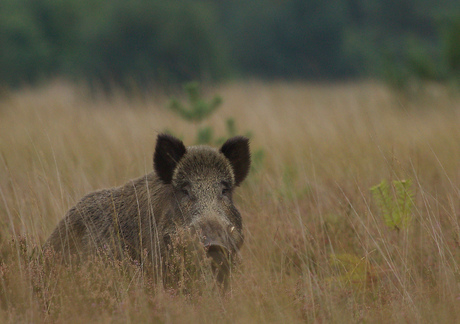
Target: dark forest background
{"points": [[171, 42]]}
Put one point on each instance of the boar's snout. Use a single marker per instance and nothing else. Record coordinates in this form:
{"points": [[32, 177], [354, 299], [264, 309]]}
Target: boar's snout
{"points": [[220, 261], [215, 235], [217, 245]]}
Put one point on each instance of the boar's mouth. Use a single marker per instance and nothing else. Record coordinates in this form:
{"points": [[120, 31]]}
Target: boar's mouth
{"points": [[220, 261]]}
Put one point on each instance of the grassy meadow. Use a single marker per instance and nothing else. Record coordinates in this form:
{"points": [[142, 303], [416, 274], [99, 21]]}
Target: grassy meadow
{"points": [[318, 247]]}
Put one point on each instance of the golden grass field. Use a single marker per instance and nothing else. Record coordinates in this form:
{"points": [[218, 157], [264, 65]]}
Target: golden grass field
{"points": [[317, 248]]}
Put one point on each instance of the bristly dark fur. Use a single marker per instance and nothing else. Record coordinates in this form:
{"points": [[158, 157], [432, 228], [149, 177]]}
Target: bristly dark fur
{"points": [[190, 191], [168, 151], [236, 150]]}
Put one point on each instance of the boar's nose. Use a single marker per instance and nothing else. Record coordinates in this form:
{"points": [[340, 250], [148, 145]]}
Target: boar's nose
{"points": [[220, 265], [216, 250], [213, 242], [214, 247]]}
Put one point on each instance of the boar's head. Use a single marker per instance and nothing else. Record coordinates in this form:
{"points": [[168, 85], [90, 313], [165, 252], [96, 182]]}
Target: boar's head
{"points": [[201, 181]]}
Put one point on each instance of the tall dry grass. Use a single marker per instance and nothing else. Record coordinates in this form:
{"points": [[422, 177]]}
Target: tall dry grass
{"points": [[317, 248]]}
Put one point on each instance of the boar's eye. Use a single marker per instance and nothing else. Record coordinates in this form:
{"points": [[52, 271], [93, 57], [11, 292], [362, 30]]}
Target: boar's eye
{"points": [[225, 188], [185, 190]]}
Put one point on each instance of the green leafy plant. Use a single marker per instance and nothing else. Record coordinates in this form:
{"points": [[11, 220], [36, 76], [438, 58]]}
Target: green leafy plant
{"points": [[351, 270], [204, 135], [198, 109], [395, 203], [290, 187]]}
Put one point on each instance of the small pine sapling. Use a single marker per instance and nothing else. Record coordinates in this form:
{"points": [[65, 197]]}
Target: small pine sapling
{"points": [[397, 207], [199, 109]]}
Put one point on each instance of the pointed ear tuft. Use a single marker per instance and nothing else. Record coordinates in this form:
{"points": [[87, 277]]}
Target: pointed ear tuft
{"points": [[168, 151], [236, 150]]}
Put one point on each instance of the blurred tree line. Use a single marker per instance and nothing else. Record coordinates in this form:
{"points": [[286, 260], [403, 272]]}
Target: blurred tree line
{"points": [[170, 42]]}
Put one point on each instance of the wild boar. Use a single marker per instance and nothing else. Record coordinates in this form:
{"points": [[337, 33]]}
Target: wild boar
{"points": [[189, 191]]}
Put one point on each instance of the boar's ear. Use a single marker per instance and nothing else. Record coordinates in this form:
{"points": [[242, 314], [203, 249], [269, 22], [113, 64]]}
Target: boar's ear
{"points": [[236, 150], [168, 151]]}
